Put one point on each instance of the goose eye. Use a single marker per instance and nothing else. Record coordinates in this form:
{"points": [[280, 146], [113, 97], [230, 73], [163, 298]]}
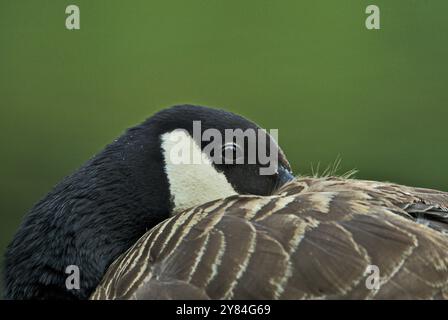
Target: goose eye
{"points": [[232, 153]]}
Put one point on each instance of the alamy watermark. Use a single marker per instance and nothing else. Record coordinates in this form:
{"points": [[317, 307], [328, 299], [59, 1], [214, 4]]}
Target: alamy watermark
{"points": [[373, 20], [373, 278], [72, 282], [72, 21]]}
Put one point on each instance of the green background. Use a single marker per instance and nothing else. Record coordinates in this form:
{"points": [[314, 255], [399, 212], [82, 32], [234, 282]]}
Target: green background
{"points": [[377, 98]]}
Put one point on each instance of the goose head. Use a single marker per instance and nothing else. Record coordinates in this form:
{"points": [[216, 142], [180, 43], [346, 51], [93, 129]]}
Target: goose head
{"points": [[170, 162]]}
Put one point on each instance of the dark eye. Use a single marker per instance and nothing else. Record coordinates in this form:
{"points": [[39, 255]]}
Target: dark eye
{"points": [[232, 153]]}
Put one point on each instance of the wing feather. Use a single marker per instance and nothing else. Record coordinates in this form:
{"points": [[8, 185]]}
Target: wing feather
{"points": [[314, 239]]}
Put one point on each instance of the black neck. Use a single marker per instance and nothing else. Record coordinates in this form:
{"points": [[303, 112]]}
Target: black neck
{"points": [[88, 220]]}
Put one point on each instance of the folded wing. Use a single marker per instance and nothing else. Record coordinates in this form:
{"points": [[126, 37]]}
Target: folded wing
{"points": [[318, 238]]}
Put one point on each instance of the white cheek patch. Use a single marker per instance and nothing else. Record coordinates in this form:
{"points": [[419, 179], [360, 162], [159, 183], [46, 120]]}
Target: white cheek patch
{"points": [[194, 182]]}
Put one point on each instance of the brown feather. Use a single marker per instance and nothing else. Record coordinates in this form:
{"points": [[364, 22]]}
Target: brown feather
{"points": [[314, 239]]}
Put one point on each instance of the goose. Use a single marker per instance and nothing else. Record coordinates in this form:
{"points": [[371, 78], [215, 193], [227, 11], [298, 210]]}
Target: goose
{"points": [[95, 214], [314, 238], [141, 227]]}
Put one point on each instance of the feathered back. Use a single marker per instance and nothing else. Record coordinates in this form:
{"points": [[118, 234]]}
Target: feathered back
{"points": [[314, 239]]}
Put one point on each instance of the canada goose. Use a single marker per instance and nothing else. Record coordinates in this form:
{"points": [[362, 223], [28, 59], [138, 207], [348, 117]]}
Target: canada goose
{"points": [[313, 239], [94, 215]]}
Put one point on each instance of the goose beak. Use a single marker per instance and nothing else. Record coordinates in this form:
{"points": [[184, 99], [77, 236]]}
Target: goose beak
{"points": [[284, 176]]}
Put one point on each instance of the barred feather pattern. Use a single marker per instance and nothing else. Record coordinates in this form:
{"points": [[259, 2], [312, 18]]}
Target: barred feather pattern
{"points": [[314, 239]]}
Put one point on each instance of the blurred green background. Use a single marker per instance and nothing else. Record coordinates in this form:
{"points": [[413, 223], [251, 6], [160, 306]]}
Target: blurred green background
{"points": [[377, 98]]}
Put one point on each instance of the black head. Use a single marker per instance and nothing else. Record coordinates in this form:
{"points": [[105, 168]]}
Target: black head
{"points": [[98, 212], [210, 154]]}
